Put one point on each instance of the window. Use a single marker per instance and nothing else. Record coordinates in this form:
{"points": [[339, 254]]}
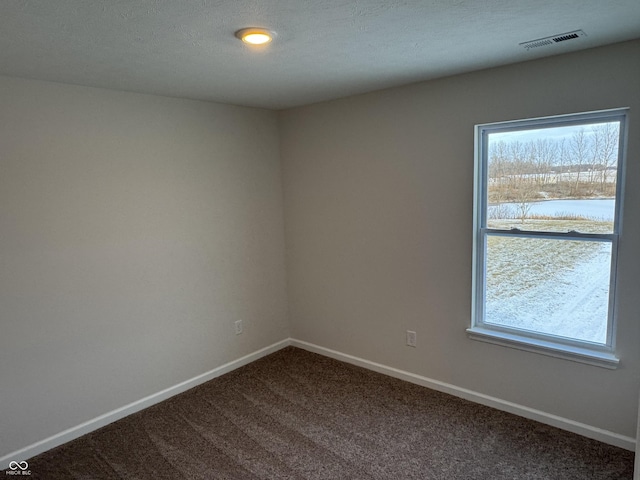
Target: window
{"points": [[548, 198]]}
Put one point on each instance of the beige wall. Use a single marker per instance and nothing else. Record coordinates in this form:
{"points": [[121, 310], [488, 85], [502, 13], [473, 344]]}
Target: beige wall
{"points": [[133, 231], [378, 215]]}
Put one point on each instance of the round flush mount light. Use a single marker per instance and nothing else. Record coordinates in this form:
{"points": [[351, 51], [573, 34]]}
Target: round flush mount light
{"points": [[255, 36]]}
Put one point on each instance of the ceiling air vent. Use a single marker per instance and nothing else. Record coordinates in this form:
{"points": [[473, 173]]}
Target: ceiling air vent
{"points": [[552, 40]]}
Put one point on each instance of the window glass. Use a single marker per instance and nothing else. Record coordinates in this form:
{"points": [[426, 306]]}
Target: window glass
{"points": [[554, 178], [551, 286], [547, 205]]}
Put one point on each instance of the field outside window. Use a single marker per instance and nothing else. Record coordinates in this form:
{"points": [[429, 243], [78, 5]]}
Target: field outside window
{"points": [[547, 207]]}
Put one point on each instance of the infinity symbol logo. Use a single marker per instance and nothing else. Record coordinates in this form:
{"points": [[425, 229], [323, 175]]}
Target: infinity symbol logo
{"points": [[18, 465]]}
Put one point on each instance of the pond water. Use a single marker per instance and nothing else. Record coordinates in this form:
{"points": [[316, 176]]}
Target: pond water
{"points": [[597, 208]]}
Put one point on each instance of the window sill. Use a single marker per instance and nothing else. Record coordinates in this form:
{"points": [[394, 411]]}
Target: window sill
{"points": [[545, 347]]}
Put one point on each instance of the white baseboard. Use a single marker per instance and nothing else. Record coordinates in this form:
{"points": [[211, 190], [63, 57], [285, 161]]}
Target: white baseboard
{"points": [[589, 431], [583, 429], [110, 417]]}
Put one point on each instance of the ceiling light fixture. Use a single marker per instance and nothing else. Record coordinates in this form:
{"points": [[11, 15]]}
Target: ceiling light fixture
{"points": [[255, 36]]}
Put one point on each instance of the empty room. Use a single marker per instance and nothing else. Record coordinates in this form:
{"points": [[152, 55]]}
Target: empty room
{"points": [[328, 239]]}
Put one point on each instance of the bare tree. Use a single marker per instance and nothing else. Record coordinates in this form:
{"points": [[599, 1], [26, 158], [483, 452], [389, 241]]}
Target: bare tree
{"points": [[579, 154], [526, 195], [564, 169], [544, 154], [605, 151]]}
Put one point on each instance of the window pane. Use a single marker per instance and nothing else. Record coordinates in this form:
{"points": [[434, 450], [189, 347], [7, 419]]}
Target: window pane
{"points": [[550, 286], [553, 179]]}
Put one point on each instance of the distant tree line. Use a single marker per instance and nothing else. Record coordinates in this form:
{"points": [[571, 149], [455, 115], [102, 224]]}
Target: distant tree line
{"points": [[583, 166]]}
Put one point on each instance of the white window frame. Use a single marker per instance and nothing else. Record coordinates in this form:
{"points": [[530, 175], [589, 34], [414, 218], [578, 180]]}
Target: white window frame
{"points": [[602, 355]]}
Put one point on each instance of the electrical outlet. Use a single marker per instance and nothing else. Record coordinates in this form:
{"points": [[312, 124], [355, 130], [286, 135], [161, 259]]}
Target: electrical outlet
{"points": [[238, 325], [412, 338]]}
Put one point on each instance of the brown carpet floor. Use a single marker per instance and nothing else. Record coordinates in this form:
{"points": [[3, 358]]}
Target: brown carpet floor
{"points": [[298, 415]]}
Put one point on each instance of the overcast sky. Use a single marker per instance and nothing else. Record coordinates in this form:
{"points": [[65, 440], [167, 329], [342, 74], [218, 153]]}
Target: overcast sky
{"points": [[552, 133]]}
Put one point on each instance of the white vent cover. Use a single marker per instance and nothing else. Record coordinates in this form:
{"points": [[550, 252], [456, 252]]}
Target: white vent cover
{"points": [[552, 40]]}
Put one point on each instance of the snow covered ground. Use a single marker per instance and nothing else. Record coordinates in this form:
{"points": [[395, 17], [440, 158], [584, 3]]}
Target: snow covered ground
{"points": [[557, 287]]}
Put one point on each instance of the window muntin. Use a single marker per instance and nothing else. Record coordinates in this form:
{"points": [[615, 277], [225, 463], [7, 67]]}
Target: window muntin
{"points": [[547, 208]]}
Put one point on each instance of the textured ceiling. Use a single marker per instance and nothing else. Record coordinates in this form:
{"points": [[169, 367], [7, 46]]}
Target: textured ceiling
{"points": [[325, 49]]}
